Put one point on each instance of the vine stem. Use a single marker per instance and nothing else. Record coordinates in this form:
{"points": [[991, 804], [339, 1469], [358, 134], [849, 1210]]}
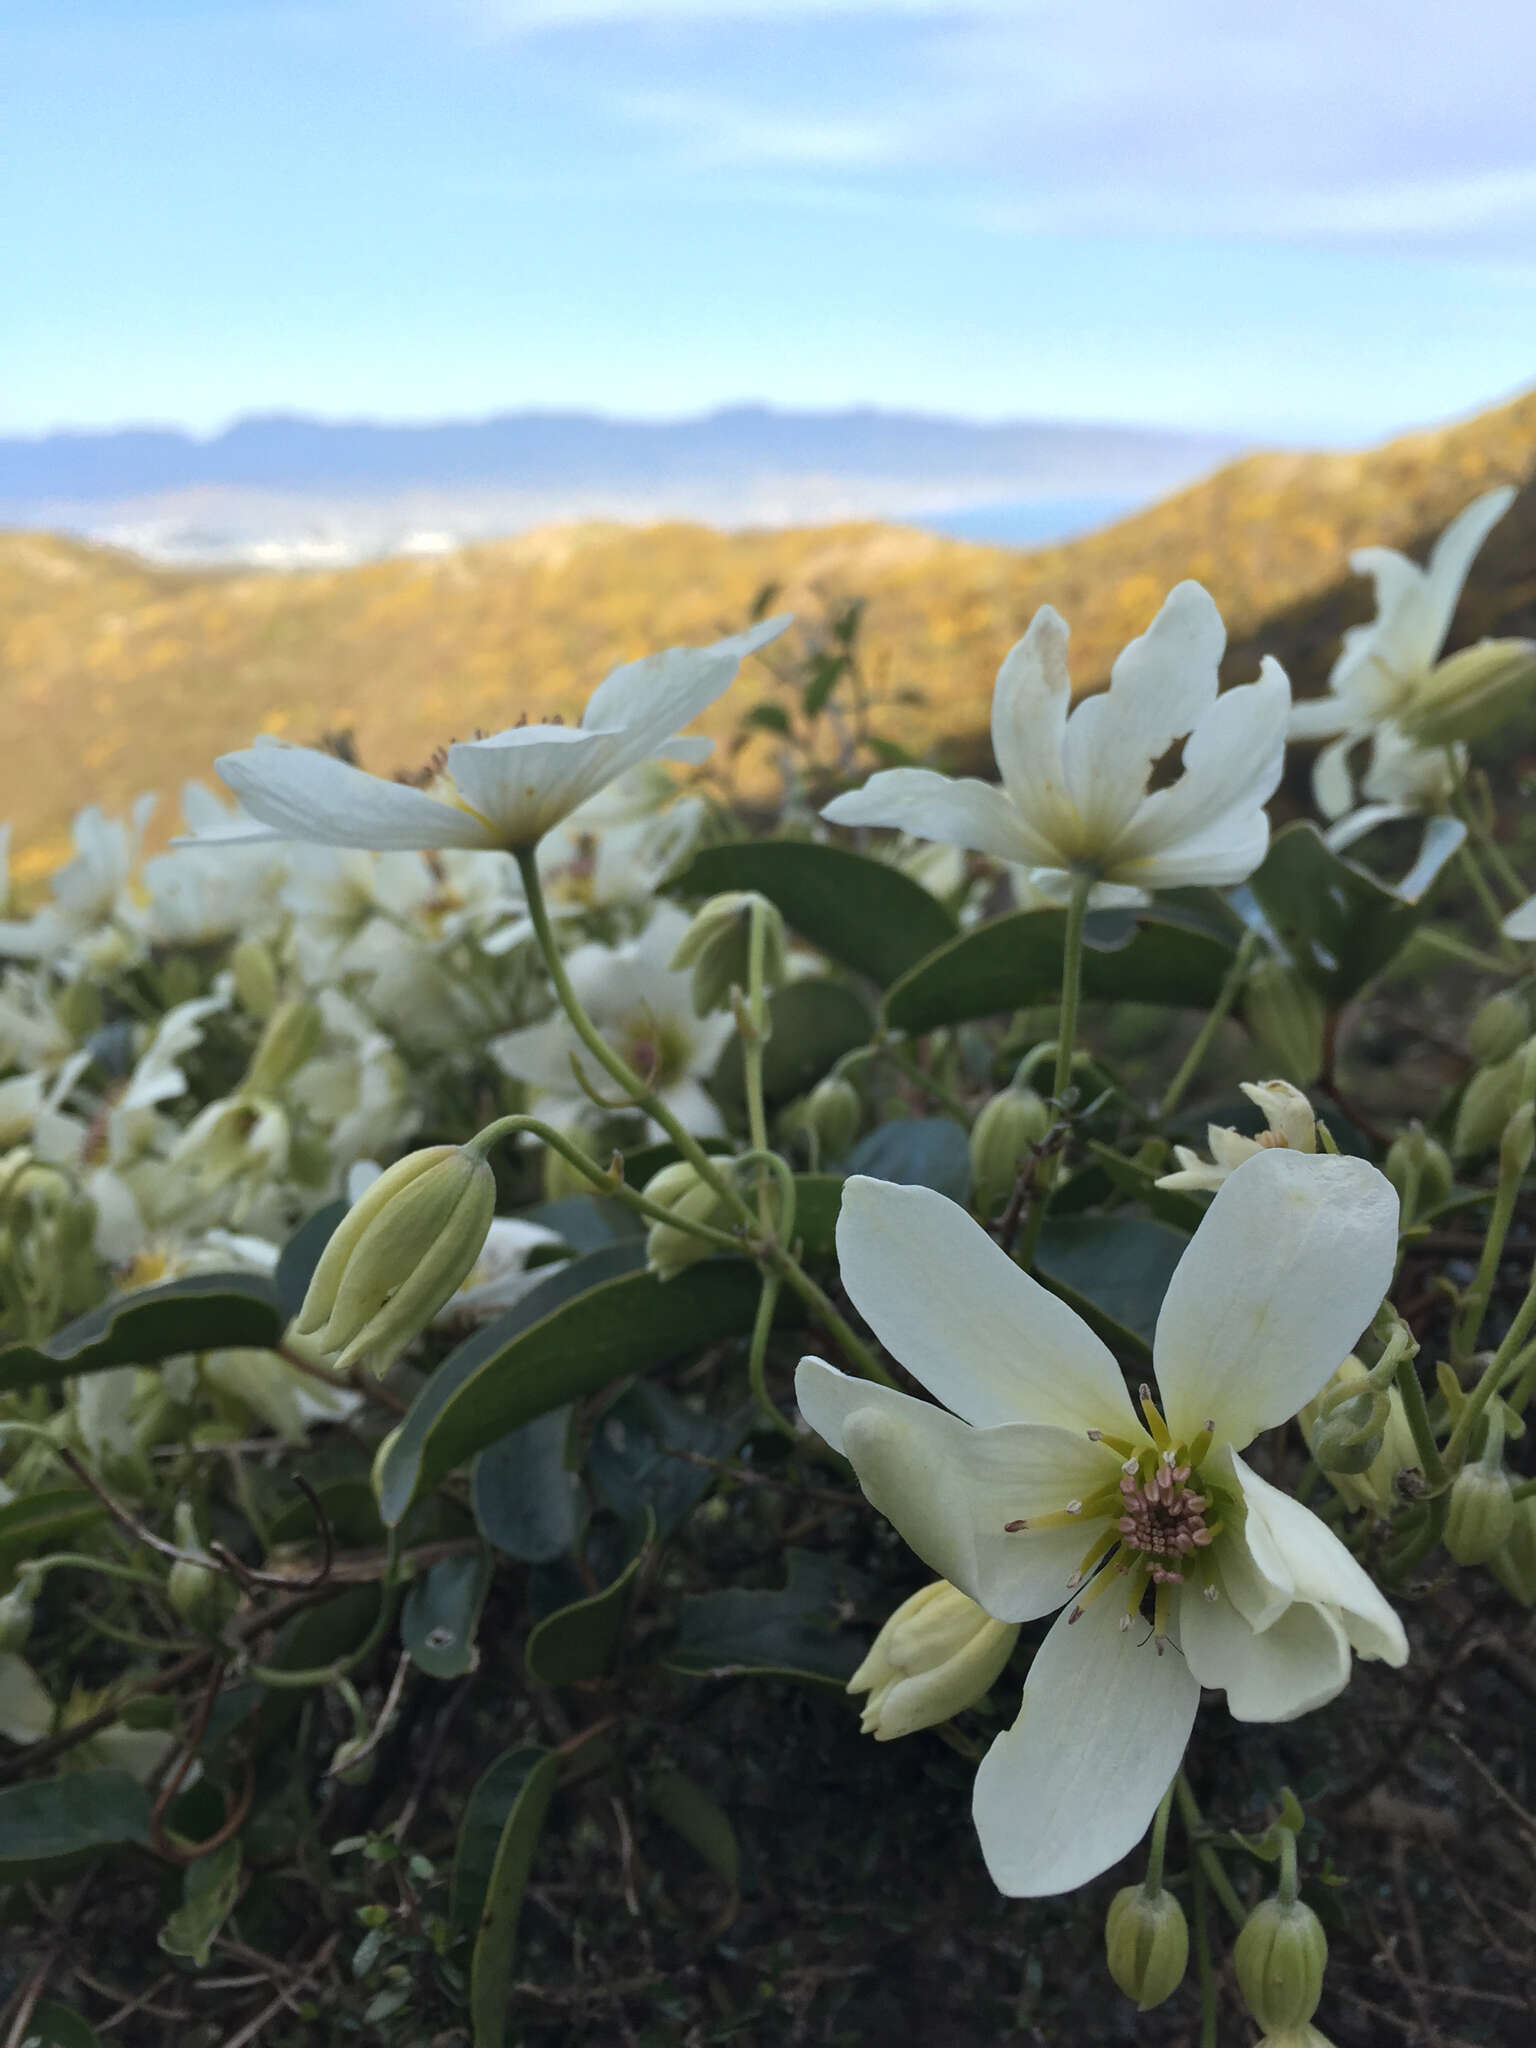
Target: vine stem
{"points": [[1152, 1883], [1083, 880], [1194, 1059], [1210, 1863], [1487, 1386]]}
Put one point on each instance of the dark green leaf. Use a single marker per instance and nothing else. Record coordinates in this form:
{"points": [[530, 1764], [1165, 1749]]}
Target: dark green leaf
{"points": [[442, 1613], [496, 1943], [814, 1023], [1016, 961], [587, 1222], [586, 1325], [767, 718], [491, 1802], [578, 1641], [634, 1464], [1114, 1270], [701, 1821], [801, 1632], [297, 1260], [860, 911], [39, 1522], [58, 2026], [52, 1817], [925, 1152], [525, 1500], [209, 1890], [204, 1313], [818, 1198]]}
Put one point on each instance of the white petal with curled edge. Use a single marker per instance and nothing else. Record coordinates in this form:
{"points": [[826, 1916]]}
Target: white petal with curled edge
{"points": [[661, 693], [1299, 1662], [26, 1711], [303, 794], [975, 815], [980, 1335], [1030, 701], [1072, 1785], [1521, 922], [1320, 1568], [950, 1491], [1288, 1266], [1452, 556], [1231, 767]]}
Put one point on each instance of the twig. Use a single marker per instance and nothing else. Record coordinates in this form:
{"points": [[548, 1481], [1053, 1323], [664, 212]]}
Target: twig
{"points": [[346, 1756], [253, 2028]]}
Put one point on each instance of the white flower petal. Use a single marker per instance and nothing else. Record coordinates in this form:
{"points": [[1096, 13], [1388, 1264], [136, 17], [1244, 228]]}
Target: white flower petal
{"points": [[1521, 922], [1320, 1567], [980, 1335], [1451, 559], [1072, 1785], [1318, 718], [1333, 785], [526, 780], [304, 794], [975, 815], [1358, 823], [1030, 701], [1288, 1266], [1296, 1664], [661, 693], [950, 1490], [26, 1710]]}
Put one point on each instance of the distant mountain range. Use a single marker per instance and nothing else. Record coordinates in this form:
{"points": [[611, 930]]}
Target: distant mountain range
{"points": [[288, 490]]}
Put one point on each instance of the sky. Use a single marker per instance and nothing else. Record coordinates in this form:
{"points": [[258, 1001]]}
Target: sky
{"points": [[1309, 222]]}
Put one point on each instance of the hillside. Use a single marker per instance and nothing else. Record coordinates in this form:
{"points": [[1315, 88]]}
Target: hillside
{"points": [[118, 676]]}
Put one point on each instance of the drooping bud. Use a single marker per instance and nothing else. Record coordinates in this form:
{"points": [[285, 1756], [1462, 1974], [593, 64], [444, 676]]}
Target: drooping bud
{"points": [[256, 982], [1500, 1027], [1005, 1131], [1374, 1486], [834, 1111], [718, 947], [1488, 1102], [1480, 1516], [1517, 1142], [1348, 1438], [1286, 1016], [350, 1767], [1280, 1957], [1420, 1169], [1146, 1944], [292, 1035], [937, 1654], [398, 1254], [196, 1591], [1471, 693], [678, 1188]]}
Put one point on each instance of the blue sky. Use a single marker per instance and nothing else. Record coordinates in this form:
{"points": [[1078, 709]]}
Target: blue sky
{"points": [[1308, 222]]}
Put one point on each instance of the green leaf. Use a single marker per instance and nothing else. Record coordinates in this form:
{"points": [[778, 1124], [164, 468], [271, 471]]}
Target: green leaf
{"points": [[1016, 961], [578, 1640], [1114, 1270], [633, 1461], [818, 1198], [203, 1313], [40, 1522], [800, 1632], [59, 2026], [490, 1976], [490, 1804], [862, 912], [767, 717], [1169, 1205], [813, 1023], [924, 1152], [297, 1260], [701, 1821], [53, 1817], [827, 671], [1340, 924], [591, 1322], [525, 1500], [442, 1613], [209, 1890], [587, 1222]]}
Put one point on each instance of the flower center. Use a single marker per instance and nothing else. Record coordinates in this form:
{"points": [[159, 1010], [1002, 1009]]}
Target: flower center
{"points": [[1164, 1517]]}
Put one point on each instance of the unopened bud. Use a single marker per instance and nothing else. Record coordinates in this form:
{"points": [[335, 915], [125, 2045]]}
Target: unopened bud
{"points": [[195, 1590], [1146, 1944], [398, 1254], [834, 1111], [1500, 1027], [1480, 1516], [938, 1654], [1518, 1141], [1280, 1957], [680, 1190], [1488, 1102], [1418, 1167], [1348, 1438], [17, 1609], [1471, 694], [351, 1767], [1514, 1566], [1286, 1016], [292, 1035], [718, 947], [256, 983], [1002, 1138]]}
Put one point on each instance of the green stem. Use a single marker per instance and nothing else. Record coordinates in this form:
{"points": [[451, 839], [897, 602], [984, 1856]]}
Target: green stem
{"points": [[753, 1040], [1210, 1863], [1230, 990], [1071, 979], [1492, 909], [333, 1673], [914, 1073], [1469, 1319], [853, 1348], [1493, 1373], [601, 1179], [757, 1356], [1152, 1883], [1208, 2015], [1412, 1392], [1524, 1489], [100, 1567]]}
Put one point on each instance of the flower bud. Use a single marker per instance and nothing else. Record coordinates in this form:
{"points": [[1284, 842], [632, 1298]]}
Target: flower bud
{"points": [[1286, 1016], [1518, 1141], [255, 973], [718, 947], [1146, 1944], [1500, 1027], [1304, 2036], [1514, 1566], [1416, 1164], [398, 1254], [16, 1611], [1470, 694], [1374, 1487], [679, 1190], [1481, 1514], [1280, 1957], [1348, 1438], [195, 1591], [292, 1035], [1488, 1102], [1002, 1137], [834, 1111], [343, 1767], [937, 1654]]}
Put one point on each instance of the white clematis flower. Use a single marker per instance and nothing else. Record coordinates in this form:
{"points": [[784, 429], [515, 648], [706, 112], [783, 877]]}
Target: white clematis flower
{"points": [[501, 793], [1075, 792], [1291, 1122], [1047, 1485]]}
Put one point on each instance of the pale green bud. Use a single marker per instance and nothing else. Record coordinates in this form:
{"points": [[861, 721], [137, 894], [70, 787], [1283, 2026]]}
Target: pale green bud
{"points": [[398, 1254], [1418, 1164], [17, 1609], [1005, 1130], [834, 1111], [938, 1654], [381, 1459], [1146, 1944], [196, 1591], [1374, 1487], [256, 981], [1348, 1438], [292, 1036], [1514, 1566], [1471, 693], [1286, 1017], [1500, 1027], [348, 1771], [1280, 1957], [1518, 1141], [718, 947], [681, 1192], [1488, 1102], [1481, 1514]]}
